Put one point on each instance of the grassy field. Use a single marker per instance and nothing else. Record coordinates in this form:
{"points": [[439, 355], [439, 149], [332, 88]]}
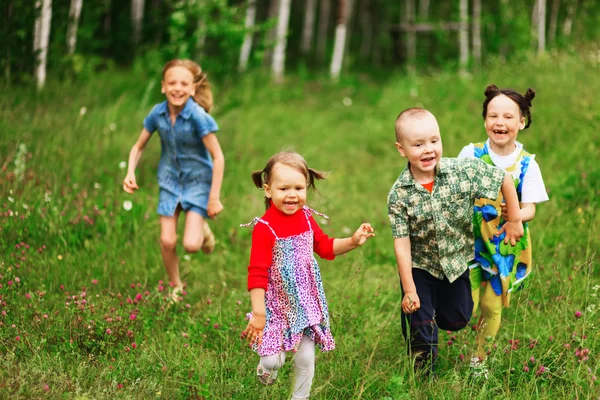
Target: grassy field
{"points": [[83, 314]]}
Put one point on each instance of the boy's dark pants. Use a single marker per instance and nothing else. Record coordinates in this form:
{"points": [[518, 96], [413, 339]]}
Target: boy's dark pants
{"points": [[444, 305]]}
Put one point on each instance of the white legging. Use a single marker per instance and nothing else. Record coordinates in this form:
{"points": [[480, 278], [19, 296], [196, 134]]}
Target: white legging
{"points": [[304, 366]]}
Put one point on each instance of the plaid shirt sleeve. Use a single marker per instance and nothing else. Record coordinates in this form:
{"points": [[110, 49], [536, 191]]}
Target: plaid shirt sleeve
{"points": [[486, 180], [397, 214]]}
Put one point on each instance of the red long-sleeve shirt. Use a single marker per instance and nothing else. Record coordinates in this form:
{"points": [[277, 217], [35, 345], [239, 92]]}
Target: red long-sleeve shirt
{"points": [[261, 254]]}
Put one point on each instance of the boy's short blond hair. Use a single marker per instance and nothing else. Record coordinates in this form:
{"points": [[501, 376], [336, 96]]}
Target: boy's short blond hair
{"points": [[406, 115]]}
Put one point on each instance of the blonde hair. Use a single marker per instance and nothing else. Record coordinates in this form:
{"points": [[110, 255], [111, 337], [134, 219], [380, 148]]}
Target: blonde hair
{"points": [[291, 159], [203, 94], [415, 112]]}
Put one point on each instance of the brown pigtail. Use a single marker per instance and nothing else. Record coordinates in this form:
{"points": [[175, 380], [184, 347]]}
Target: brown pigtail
{"points": [[314, 174]]}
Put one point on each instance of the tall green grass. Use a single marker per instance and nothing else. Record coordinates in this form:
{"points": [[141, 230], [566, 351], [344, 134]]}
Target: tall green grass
{"points": [[64, 232]]}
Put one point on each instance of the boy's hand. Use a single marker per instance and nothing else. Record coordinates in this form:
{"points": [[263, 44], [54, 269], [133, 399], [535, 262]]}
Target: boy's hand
{"points": [[129, 183], [513, 230], [254, 329], [410, 303], [361, 235]]}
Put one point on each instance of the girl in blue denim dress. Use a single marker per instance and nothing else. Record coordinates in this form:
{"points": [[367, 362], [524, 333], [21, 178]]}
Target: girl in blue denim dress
{"points": [[190, 171]]}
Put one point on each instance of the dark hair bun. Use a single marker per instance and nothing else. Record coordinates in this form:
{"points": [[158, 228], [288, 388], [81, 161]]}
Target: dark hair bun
{"points": [[529, 96], [491, 90]]}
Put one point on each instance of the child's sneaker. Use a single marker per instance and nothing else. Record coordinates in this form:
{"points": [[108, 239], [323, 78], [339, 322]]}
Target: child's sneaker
{"points": [[479, 368], [209, 239], [265, 376]]}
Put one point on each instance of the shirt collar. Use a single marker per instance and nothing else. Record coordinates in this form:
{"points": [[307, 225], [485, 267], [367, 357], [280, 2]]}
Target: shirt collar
{"points": [[185, 113], [406, 178]]}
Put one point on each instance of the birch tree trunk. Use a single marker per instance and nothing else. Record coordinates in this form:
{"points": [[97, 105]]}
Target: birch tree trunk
{"points": [[411, 34], [324, 15], [281, 40], [249, 36], [40, 39], [553, 21], [463, 36], [541, 27], [568, 24], [107, 23], [340, 39], [309, 26], [74, 13], [201, 42], [477, 32], [366, 17], [424, 10], [137, 18], [270, 38]]}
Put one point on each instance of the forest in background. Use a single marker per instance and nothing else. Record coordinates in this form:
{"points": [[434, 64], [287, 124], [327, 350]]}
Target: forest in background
{"points": [[78, 38]]}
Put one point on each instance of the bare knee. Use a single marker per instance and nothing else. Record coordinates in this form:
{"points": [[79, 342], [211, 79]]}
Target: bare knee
{"points": [[168, 242], [192, 245]]}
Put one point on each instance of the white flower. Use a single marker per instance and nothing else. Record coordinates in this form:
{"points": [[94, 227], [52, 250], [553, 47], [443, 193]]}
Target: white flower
{"points": [[11, 199], [82, 111], [127, 205], [347, 101], [47, 197], [123, 164], [25, 206], [347, 230], [187, 257], [97, 185], [112, 126]]}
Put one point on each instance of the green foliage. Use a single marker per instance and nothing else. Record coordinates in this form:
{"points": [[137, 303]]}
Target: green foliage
{"points": [[66, 236]]}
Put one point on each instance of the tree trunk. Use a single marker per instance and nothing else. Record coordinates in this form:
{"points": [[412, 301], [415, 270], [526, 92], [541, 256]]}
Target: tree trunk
{"points": [[271, 15], [463, 36], [424, 10], [340, 39], [324, 14], [411, 34], [309, 26], [553, 21], [74, 13], [6, 29], [541, 27], [477, 32], [249, 36], [137, 18], [568, 24], [367, 28], [40, 40], [107, 24], [281, 40]]}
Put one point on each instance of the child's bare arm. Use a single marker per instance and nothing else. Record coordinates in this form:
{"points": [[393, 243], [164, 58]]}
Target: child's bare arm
{"points": [[514, 226], [410, 302], [213, 146], [527, 212], [341, 246], [129, 183], [254, 329]]}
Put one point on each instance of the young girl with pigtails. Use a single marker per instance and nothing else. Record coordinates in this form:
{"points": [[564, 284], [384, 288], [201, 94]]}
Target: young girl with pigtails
{"points": [[190, 171], [289, 309], [497, 269]]}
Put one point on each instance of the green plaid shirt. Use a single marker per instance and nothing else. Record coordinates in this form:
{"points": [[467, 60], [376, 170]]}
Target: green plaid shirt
{"points": [[440, 223]]}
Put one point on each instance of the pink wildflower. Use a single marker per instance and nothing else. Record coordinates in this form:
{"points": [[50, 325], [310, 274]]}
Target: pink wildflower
{"points": [[577, 314], [94, 281], [108, 331], [132, 317], [134, 345], [18, 338]]}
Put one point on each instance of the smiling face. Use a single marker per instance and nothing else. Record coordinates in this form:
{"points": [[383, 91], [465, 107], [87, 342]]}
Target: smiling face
{"points": [[178, 86], [503, 122], [421, 143], [287, 188]]}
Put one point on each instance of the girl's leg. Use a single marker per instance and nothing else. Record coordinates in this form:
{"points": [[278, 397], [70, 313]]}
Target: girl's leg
{"points": [[168, 248], [489, 323], [304, 368], [197, 234], [268, 367]]}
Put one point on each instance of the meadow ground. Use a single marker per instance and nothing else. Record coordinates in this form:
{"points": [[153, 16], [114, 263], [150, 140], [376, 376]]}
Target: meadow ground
{"points": [[82, 305]]}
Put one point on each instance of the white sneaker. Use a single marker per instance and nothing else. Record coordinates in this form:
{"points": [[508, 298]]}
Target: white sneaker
{"points": [[479, 368], [265, 376]]}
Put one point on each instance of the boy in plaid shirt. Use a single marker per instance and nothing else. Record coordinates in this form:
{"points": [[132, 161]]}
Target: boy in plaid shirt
{"points": [[430, 207]]}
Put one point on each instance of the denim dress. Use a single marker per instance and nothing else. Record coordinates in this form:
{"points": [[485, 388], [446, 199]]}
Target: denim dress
{"points": [[185, 167]]}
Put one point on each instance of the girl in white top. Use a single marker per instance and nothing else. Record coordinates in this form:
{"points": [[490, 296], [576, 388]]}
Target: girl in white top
{"points": [[497, 269]]}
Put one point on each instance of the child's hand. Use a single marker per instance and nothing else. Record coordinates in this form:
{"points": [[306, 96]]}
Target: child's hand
{"points": [[513, 230], [254, 329], [361, 235], [504, 209], [410, 303], [129, 183], [214, 207]]}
